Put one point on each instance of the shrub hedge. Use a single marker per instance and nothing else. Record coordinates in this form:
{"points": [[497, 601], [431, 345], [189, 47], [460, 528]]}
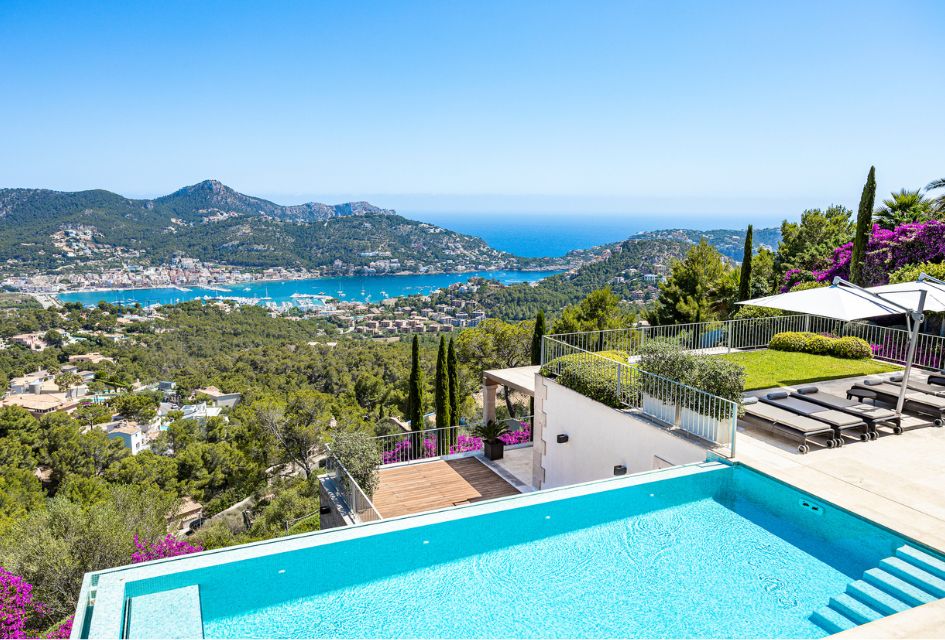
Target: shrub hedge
{"points": [[816, 343]]}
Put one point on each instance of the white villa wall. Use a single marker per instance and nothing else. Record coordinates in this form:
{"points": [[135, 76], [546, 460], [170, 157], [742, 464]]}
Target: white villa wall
{"points": [[599, 439]]}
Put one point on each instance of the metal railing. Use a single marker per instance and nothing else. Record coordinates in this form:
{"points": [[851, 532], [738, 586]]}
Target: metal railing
{"points": [[443, 441], [357, 503], [750, 333], [611, 378]]}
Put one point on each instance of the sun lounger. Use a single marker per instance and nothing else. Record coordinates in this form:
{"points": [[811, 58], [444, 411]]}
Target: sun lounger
{"points": [[933, 385], [790, 425], [874, 416], [840, 421], [877, 389]]}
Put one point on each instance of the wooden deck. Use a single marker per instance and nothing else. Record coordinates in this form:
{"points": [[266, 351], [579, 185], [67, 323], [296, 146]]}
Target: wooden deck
{"points": [[436, 484]]}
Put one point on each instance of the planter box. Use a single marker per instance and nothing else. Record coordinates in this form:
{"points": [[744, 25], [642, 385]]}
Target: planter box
{"points": [[494, 450], [656, 408], [706, 427]]}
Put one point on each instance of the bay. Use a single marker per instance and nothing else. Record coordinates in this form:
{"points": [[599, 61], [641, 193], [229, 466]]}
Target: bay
{"points": [[348, 289]]}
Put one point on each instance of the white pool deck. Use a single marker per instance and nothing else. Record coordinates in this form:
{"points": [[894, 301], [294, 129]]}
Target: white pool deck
{"points": [[896, 481]]}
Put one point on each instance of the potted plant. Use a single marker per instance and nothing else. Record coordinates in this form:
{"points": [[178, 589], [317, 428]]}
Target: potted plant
{"points": [[703, 416], [491, 434]]}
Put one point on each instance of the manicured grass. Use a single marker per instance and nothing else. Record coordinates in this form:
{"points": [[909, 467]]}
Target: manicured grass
{"points": [[768, 368]]}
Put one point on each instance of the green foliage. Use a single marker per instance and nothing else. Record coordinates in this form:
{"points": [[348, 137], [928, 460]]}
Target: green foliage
{"points": [[667, 359], [537, 334], [810, 284], [294, 501], [701, 287], [809, 244], [492, 431], [452, 373], [358, 453], [53, 547], [300, 236], [135, 406], [864, 225], [912, 272], [589, 376], [599, 311], [851, 348], [747, 311], [903, 207], [764, 280], [744, 280], [441, 397], [818, 344], [415, 388]]}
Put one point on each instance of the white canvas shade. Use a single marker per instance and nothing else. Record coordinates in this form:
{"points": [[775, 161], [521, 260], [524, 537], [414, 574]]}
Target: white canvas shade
{"points": [[845, 301]]}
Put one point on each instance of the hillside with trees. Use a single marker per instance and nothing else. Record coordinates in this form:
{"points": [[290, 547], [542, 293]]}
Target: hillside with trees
{"points": [[211, 222]]}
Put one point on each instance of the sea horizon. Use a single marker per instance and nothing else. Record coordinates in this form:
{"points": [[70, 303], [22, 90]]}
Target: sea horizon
{"points": [[552, 235]]}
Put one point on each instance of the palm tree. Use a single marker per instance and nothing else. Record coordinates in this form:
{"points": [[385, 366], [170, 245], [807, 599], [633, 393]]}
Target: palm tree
{"points": [[903, 207], [938, 204]]}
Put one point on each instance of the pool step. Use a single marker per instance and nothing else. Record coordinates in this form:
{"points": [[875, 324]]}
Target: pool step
{"points": [[907, 579]]}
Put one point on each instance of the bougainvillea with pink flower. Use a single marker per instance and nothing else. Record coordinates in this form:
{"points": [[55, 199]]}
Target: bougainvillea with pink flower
{"points": [[64, 630], [402, 451], [166, 547], [889, 250], [17, 605]]}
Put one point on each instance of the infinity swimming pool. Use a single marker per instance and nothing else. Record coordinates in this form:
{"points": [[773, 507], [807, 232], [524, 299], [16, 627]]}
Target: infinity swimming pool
{"points": [[702, 551]]}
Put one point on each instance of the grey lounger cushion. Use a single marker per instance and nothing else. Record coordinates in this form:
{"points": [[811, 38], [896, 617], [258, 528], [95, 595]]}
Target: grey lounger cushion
{"points": [[784, 418], [813, 410]]}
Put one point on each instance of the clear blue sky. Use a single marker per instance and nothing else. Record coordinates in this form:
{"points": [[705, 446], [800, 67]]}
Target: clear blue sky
{"points": [[756, 107]]}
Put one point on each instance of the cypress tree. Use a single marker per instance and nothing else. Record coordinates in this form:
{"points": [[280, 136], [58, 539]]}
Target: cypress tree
{"points": [[415, 399], [537, 335], [864, 224], [744, 282], [452, 374], [441, 396]]}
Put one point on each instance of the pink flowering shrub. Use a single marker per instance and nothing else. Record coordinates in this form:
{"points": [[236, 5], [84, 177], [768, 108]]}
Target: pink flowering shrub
{"points": [[521, 436], [466, 443], [889, 250], [166, 547], [402, 451], [17, 605], [64, 630]]}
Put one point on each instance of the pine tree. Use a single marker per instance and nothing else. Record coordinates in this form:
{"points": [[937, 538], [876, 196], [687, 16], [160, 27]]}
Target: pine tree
{"points": [[744, 282], [415, 399], [441, 396], [452, 374], [864, 224]]}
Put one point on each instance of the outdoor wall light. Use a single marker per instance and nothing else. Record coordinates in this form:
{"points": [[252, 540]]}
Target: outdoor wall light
{"points": [[562, 438], [324, 510], [620, 469]]}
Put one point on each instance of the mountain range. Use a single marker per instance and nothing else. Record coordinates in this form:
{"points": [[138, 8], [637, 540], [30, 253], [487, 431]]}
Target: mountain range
{"points": [[44, 229]]}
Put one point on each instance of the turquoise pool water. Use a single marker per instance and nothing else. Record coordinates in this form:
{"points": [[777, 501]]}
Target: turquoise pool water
{"points": [[726, 552]]}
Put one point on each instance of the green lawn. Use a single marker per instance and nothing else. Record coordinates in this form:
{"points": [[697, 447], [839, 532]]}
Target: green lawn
{"points": [[768, 368]]}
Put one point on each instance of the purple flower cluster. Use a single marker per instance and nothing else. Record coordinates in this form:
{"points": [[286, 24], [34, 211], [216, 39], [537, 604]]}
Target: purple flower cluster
{"points": [[889, 250], [16, 605], [520, 436], [793, 277], [166, 547], [62, 631], [403, 450]]}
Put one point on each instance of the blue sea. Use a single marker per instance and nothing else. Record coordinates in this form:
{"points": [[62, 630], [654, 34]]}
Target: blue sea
{"points": [[536, 235], [349, 289]]}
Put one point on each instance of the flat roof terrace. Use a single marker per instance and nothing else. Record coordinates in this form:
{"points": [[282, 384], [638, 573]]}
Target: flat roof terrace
{"points": [[435, 484]]}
